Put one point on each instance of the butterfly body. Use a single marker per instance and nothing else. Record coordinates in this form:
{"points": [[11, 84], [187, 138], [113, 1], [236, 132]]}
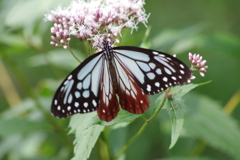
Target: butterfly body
{"points": [[117, 77]]}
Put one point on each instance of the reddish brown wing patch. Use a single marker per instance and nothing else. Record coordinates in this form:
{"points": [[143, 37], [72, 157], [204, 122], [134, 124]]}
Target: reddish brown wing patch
{"points": [[108, 107], [131, 96]]}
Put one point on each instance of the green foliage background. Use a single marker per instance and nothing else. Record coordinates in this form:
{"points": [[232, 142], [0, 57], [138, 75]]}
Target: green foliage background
{"points": [[31, 70]]}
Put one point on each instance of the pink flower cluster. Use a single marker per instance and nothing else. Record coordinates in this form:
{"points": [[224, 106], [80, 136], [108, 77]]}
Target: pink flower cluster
{"points": [[197, 63], [95, 20]]}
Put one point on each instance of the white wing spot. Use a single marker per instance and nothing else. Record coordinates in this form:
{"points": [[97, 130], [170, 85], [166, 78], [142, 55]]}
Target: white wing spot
{"points": [[150, 75], [180, 77], [158, 71], [65, 82], [133, 95], [144, 66], [76, 104], [152, 65], [155, 53], [127, 92], [157, 84], [86, 94], [85, 104], [55, 102], [84, 111], [77, 94], [169, 58], [165, 79], [63, 111], [166, 85], [181, 71], [69, 77], [103, 111], [70, 98], [149, 88], [59, 108], [174, 78], [94, 103], [167, 71], [78, 110], [69, 108], [74, 111], [141, 101], [182, 66], [161, 55], [79, 85]]}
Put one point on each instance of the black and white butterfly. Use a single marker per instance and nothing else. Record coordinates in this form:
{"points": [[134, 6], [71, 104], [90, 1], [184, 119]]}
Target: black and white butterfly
{"points": [[132, 73]]}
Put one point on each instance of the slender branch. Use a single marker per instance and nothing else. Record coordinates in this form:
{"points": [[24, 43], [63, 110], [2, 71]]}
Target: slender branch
{"points": [[142, 128], [31, 94]]}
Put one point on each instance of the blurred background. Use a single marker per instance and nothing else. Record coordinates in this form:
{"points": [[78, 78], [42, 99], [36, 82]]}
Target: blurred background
{"points": [[31, 70]]}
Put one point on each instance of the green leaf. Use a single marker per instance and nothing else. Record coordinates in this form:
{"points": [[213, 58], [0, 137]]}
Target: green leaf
{"points": [[123, 116], [86, 134], [91, 126], [176, 110], [206, 120]]}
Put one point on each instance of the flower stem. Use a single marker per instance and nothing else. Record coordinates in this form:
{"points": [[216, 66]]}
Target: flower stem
{"points": [[74, 55], [31, 94], [142, 128]]}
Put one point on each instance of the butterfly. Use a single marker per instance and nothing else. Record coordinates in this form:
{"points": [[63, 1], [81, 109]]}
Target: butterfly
{"points": [[117, 77]]}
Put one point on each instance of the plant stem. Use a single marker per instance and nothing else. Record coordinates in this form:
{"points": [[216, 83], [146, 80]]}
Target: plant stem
{"points": [[74, 55], [31, 94], [142, 128], [232, 103]]}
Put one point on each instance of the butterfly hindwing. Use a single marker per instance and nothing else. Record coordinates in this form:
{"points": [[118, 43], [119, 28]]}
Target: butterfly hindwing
{"points": [[108, 106], [154, 71], [79, 92], [131, 96]]}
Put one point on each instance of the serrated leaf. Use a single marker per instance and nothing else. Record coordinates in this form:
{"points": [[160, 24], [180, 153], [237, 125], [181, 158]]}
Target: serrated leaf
{"points": [[175, 107], [87, 128], [176, 110], [206, 120], [86, 134]]}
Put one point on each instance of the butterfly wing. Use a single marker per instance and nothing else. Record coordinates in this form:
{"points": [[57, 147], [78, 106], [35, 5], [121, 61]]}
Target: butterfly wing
{"points": [[108, 106], [131, 96], [152, 70], [79, 92]]}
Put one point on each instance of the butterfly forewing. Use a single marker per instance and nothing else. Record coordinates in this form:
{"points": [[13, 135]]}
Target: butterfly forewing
{"points": [[79, 92], [154, 71]]}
